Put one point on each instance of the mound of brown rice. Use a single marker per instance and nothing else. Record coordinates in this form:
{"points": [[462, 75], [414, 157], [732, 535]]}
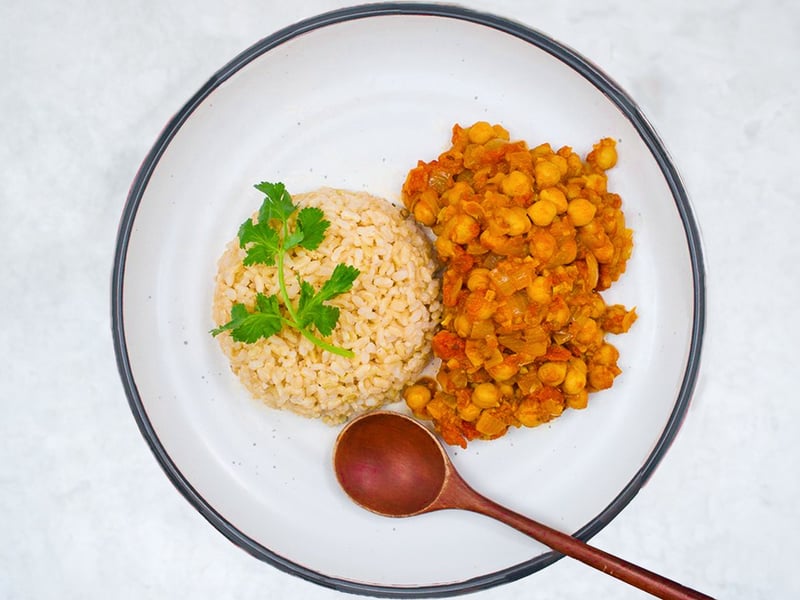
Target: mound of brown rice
{"points": [[387, 319]]}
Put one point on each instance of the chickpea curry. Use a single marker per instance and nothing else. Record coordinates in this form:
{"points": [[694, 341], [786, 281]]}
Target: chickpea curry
{"points": [[528, 238]]}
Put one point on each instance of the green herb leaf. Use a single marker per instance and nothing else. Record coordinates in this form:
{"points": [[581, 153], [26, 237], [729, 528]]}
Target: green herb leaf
{"points": [[311, 307], [277, 202], [264, 242], [341, 281], [268, 304], [238, 314], [311, 221], [325, 318], [249, 327], [307, 294], [312, 311], [292, 240]]}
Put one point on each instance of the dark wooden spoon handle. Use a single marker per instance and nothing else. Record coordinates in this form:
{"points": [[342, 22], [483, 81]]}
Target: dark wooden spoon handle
{"points": [[460, 495]]}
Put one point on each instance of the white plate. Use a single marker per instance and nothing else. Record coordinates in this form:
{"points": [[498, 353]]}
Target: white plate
{"points": [[352, 99]]}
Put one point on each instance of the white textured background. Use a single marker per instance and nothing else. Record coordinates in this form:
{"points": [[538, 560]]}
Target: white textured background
{"points": [[85, 87]]}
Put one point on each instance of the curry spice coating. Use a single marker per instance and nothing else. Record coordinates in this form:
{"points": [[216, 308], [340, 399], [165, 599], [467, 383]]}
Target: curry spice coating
{"points": [[529, 237]]}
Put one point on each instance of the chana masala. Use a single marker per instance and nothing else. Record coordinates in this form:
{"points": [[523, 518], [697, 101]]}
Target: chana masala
{"points": [[528, 238]]}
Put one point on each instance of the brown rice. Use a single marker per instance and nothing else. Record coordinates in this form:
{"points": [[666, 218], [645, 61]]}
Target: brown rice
{"points": [[387, 319]]}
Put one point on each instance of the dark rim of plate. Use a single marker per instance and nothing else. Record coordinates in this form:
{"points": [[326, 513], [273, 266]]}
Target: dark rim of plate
{"points": [[569, 57]]}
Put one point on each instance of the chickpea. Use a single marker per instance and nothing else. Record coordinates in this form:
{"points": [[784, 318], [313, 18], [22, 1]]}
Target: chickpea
{"points": [[592, 235], [480, 133], [542, 212], [598, 307], [552, 373], [516, 220], [578, 364], [575, 379], [457, 192], [581, 211], [470, 412], [596, 183], [605, 253], [603, 154], [574, 190], [462, 325], [561, 163], [516, 183], [528, 413], [601, 377], [486, 395], [417, 396], [606, 355], [589, 333], [552, 406], [500, 132], [547, 174], [558, 316], [556, 197], [464, 229], [446, 213], [574, 164], [539, 290], [478, 279], [502, 372], [543, 245], [444, 247], [566, 252], [493, 242], [579, 400], [479, 305], [426, 208]]}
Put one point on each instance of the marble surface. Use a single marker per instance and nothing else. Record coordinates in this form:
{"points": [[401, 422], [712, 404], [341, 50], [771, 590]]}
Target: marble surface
{"points": [[85, 510]]}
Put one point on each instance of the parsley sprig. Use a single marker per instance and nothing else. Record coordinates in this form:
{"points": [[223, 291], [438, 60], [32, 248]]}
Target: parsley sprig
{"points": [[267, 242]]}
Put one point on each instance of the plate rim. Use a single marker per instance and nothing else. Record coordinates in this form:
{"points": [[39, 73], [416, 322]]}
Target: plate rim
{"points": [[561, 52]]}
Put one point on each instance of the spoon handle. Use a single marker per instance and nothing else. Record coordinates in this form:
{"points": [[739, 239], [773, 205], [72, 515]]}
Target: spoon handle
{"points": [[565, 544]]}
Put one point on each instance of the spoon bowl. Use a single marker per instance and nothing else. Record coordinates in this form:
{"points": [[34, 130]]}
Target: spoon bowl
{"points": [[376, 456], [392, 465]]}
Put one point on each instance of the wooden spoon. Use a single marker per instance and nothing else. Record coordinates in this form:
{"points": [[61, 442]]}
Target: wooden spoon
{"points": [[390, 464]]}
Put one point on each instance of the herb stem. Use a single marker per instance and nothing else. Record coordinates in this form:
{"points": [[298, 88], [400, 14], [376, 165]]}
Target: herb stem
{"points": [[295, 321], [325, 345], [282, 279]]}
